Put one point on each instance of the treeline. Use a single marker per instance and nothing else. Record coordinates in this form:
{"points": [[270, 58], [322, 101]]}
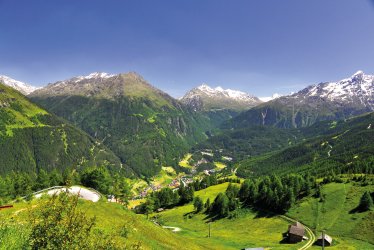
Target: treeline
{"points": [[168, 198], [21, 184], [276, 193], [270, 193]]}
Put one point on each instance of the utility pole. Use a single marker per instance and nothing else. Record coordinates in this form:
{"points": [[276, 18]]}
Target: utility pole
{"points": [[323, 239], [209, 230]]}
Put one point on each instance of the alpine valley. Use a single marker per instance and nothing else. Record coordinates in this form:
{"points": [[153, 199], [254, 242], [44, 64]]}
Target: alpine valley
{"points": [[219, 167]]}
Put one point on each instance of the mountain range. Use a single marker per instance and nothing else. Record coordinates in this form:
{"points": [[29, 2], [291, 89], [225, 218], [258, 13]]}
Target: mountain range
{"points": [[145, 127], [325, 101]]}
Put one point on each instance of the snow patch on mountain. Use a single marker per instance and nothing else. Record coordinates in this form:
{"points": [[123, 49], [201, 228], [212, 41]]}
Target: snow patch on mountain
{"points": [[269, 98], [206, 98], [92, 76], [357, 88], [229, 93], [22, 87]]}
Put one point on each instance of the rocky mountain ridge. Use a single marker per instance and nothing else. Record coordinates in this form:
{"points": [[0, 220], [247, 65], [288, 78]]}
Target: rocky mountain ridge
{"points": [[22, 87], [323, 101], [205, 98]]}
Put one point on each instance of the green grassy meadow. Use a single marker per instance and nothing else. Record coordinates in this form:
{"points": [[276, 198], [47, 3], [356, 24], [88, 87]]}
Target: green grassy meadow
{"points": [[111, 218], [335, 215], [248, 230]]}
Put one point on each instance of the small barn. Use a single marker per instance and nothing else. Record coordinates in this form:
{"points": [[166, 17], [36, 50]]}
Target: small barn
{"points": [[327, 239], [296, 232]]}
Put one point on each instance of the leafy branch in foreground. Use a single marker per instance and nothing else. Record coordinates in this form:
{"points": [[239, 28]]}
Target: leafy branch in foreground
{"points": [[58, 223]]}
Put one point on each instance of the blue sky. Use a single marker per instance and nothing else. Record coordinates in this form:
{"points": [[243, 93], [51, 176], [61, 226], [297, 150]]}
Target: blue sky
{"points": [[261, 47]]}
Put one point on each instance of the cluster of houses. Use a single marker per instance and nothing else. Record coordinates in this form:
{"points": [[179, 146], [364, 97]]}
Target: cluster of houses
{"points": [[175, 183], [186, 180], [146, 190], [296, 233]]}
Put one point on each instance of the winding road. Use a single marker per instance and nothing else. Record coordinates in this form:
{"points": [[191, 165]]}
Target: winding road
{"points": [[84, 193], [312, 237]]}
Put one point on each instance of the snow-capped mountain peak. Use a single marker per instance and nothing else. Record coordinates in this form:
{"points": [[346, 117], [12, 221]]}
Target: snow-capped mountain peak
{"points": [[22, 87], [94, 75], [219, 91], [206, 97], [269, 98], [358, 89], [358, 85], [358, 75]]}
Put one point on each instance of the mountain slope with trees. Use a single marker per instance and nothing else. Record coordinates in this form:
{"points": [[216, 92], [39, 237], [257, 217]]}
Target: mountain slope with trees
{"points": [[343, 146], [32, 139], [143, 126]]}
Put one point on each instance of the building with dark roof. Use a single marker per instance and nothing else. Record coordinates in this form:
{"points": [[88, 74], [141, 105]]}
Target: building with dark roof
{"points": [[327, 239], [296, 232]]}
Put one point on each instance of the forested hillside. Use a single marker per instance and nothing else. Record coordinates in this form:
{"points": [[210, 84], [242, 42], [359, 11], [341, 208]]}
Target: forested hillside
{"points": [[143, 126], [344, 146], [32, 139]]}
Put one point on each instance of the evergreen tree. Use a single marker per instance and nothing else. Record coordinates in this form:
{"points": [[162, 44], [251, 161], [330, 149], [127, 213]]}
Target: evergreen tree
{"points": [[149, 206], [366, 202], [121, 190], [55, 178], [232, 191], [220, 206], [198, 204], [207, 205], [97, 178], [42, 181], [186, 194], [244, 190]]}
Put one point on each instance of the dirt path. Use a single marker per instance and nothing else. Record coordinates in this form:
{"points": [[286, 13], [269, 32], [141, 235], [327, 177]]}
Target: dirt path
{"points": [[312, 237], [174, 229]]}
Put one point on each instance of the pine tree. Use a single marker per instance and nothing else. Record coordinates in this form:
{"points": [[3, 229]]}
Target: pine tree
{"points": [[207, 205], [42, 181], [220, 206], [198, 204], [366, 202]]}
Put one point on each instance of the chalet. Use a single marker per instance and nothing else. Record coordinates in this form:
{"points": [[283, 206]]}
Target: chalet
{"points": [[327, 239], [296, 232]]}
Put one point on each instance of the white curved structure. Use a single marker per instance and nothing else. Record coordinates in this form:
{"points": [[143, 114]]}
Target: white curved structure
{"points": [[82, 192]]}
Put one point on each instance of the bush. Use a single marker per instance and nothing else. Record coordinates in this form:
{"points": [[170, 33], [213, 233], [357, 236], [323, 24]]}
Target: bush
{"points": [[57, 223]]}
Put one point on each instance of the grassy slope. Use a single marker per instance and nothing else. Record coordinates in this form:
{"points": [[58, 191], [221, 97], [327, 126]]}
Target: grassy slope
{"points": [[349, 230], [113, 218], [247, 230], [17, 112]]}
